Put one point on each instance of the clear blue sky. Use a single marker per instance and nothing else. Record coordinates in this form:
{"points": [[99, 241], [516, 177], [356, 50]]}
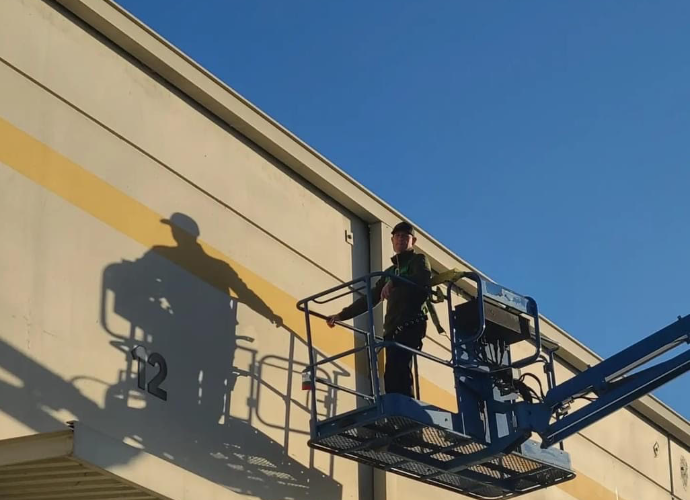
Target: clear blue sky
{"points": [[547, 143]]}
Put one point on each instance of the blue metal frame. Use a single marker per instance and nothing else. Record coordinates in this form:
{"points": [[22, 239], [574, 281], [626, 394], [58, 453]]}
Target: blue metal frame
{"points": [[488, 416], [502, 295], [372, 345]]}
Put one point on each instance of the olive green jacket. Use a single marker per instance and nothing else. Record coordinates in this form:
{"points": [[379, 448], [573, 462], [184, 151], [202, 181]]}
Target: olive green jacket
{"points": [[405, 301]]}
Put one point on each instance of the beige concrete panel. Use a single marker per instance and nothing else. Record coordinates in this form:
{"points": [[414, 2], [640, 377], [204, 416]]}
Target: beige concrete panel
{"points": [[680, 470], [63, 261], [646, 452], [38, 113], [72, 368], [53, 122], [402, 488], [42, 42], [617, 480]]}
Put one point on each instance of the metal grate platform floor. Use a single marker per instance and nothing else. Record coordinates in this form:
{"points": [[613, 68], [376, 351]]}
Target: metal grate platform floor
{"points": [[404, 446]]}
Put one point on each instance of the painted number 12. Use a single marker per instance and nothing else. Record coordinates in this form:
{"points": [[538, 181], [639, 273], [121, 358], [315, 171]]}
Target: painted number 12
{"points": [[142, 356]]}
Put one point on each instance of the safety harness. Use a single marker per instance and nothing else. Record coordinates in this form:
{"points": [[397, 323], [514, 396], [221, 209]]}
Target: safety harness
{"points": [[431, 297]]}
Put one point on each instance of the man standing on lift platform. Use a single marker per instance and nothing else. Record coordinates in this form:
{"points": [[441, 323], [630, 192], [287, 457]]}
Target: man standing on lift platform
{"points": [[405, 320]]}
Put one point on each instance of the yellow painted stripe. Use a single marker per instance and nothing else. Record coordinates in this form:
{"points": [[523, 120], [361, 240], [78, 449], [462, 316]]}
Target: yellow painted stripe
{"points": [[587, 488], [81, 188]]}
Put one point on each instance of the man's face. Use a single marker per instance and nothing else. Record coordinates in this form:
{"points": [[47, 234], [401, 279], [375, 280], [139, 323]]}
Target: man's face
{"points": [[402, 242]]}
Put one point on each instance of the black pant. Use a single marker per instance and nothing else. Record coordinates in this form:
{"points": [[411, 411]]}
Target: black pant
{"points": [[397, 375]]}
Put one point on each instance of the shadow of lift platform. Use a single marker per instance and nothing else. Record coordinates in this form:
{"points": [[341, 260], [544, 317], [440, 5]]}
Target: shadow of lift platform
{"points": [[423, 442]]}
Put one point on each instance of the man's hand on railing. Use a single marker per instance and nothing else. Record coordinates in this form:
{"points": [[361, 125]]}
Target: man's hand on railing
{"points": [[330, 321], [386, 291]]}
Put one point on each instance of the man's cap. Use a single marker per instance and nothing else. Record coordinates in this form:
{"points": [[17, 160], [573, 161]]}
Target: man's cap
{"points": [[183, 222], [403, 227]]}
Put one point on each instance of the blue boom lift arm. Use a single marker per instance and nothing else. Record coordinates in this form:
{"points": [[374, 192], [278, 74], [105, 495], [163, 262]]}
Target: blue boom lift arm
{"points": [[612, 384]]}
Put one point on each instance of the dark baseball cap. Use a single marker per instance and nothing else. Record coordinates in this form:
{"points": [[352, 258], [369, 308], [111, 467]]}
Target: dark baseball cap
{"points": [[404, 227]]}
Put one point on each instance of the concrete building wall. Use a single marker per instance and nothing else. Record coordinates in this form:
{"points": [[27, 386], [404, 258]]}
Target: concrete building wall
{"points": [[130, 214]]}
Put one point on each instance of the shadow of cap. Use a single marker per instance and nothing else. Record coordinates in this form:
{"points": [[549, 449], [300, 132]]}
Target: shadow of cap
{"points": [[183, 222]]}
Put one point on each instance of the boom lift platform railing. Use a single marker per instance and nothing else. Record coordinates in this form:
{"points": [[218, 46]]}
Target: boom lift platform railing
{"points": [[484, 450]]}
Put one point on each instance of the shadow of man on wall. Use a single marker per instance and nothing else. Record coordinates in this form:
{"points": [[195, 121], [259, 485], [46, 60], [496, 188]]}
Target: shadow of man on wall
{"points": [[182, 304]]}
